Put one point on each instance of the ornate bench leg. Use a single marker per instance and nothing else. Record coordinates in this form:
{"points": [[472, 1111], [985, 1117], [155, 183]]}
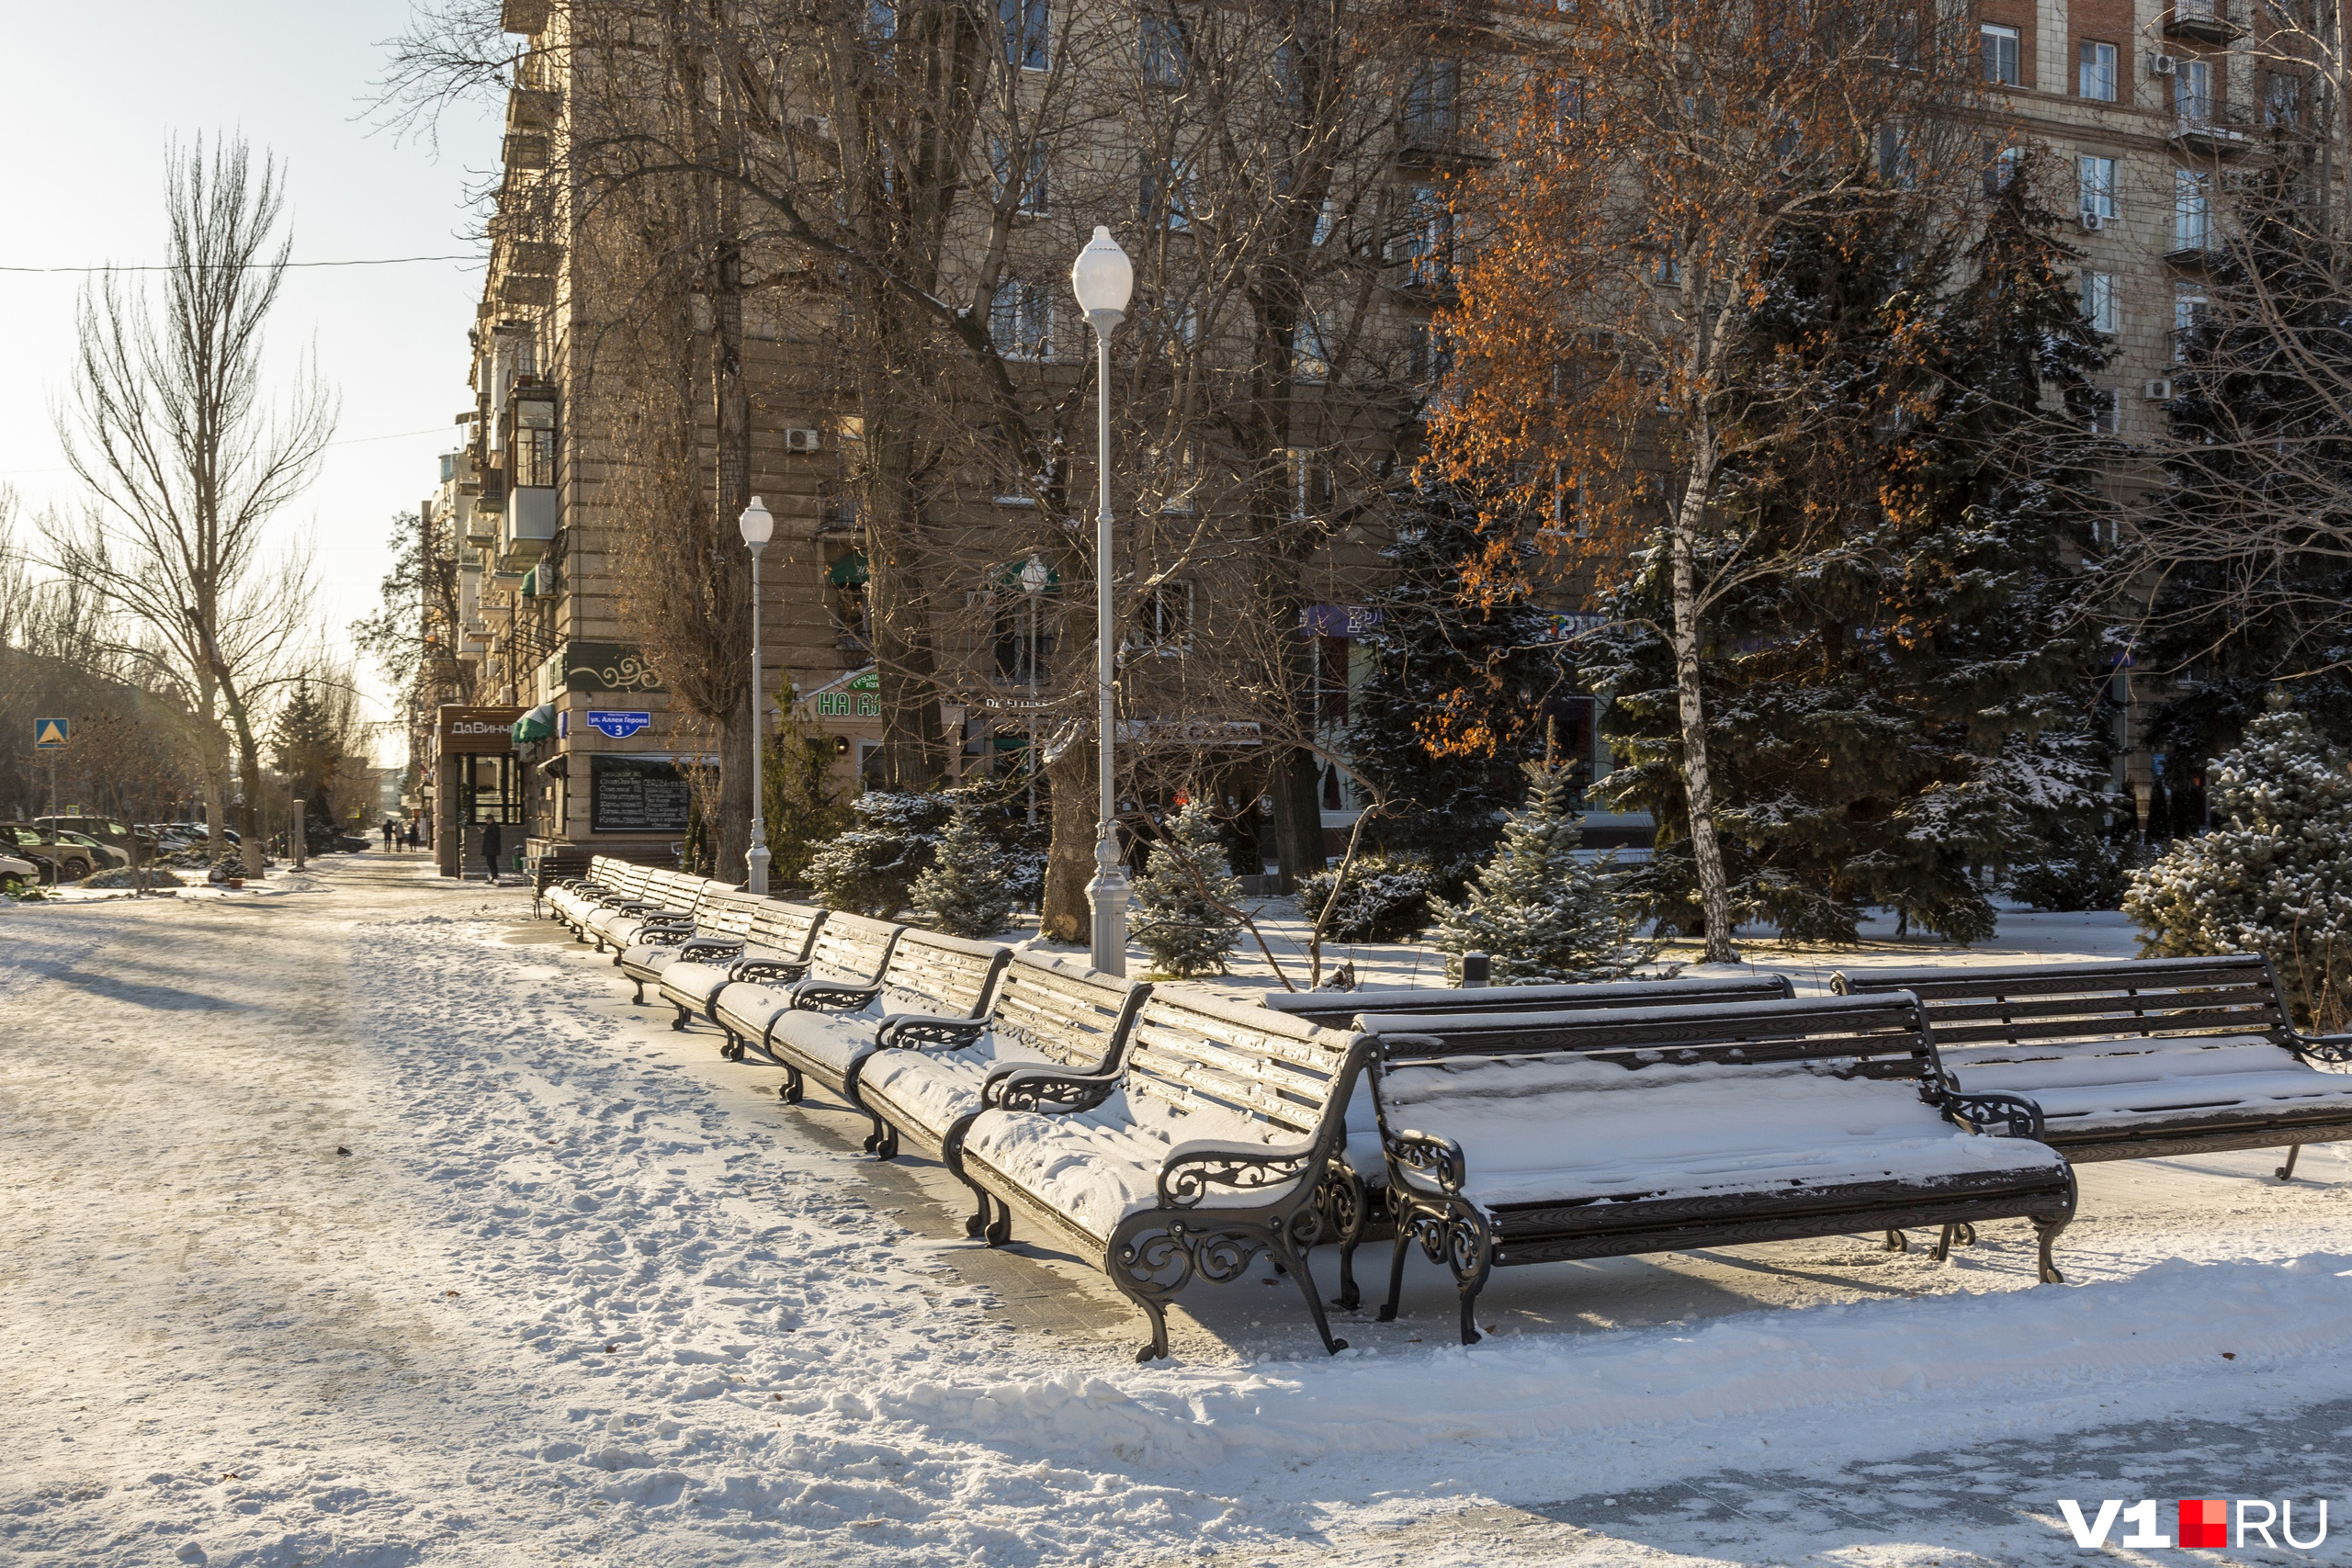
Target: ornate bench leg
{"points": [[639, 999], [978, 1225], [1296, 1266], [2048, 1231], [1387, 1312], [1897, 1242], [2287, 1171], [791, 1088]]}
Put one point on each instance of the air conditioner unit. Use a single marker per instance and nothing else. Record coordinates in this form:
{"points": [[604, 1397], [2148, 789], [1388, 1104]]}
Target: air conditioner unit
{"points": [[2161, 64], [800, 441], [2093, 222], [2158, 390], [819, 125]]}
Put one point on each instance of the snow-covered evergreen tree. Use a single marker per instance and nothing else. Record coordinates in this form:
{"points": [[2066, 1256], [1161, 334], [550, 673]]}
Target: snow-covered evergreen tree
{"points": [[1453, 704], [1915, 694], [970, 888], [871, 869], [1543, 915], [2274, 878], [1186, 877]]}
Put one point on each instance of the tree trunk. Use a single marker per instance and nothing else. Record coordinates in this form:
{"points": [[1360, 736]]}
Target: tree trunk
{"points": [[1296, 781], [1714, 892], [215, 762], [897, 613], [1070, 859], [731, 493]]}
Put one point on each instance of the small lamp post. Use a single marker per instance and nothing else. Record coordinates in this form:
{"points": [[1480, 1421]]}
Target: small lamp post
{"points": [[1035, 575], [758, 524], [1103, 280]]}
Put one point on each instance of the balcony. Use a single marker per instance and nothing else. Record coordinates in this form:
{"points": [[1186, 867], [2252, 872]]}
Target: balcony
{"points": [[2210, 137], [525, 150], [2208, 21], [527, 526]]}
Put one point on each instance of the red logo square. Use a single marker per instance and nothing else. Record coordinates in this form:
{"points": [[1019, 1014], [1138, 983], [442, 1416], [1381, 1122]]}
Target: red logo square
{"points": [[2204, 1521]]}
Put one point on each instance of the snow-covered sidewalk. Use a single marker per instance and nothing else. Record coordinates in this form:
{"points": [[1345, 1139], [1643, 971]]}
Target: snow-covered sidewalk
{"points": [[360, 1224]]}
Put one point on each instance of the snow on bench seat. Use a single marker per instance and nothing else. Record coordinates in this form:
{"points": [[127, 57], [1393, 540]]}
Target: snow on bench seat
{"points": [[2136, 1059], [720, 923], [1218, 1139], [1049, 1011], [1531, 1137], [775, 949]]}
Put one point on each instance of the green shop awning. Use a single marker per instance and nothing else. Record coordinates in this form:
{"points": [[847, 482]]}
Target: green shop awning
{"points": [[849, 572], [536, 725]]}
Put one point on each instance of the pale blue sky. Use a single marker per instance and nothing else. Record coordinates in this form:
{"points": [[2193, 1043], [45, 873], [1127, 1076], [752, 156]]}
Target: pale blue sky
{"points": [[89, 94]]}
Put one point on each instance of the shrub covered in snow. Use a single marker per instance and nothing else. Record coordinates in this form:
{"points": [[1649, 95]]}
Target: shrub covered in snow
{"points": [[871, 869], [2276, 879], [1545, 915], [971, 887], [1387, 898], [2090, 871], [1181, 898]]}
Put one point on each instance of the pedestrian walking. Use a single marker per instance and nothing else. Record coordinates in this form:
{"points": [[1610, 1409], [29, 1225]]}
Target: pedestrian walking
{"points": [[389, 829], [490, 848]]}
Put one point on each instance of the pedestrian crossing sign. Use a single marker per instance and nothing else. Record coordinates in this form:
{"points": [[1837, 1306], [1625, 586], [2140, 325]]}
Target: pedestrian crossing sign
{"points": [[49, 734]]}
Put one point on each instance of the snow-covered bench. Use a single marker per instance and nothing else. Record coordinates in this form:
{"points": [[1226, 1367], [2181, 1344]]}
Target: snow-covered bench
{"points": [[1219, 1139], [850, 952], [929, 1080], [1530, 1138], [775, 949], [1335, 1009], [670, 899], [2138, 1059], [609, 883], [721, 922]]}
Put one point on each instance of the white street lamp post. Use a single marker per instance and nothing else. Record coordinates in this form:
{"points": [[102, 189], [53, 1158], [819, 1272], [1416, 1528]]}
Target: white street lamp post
{"points": [[1035, 575], [1103, 279], [759, 525]]}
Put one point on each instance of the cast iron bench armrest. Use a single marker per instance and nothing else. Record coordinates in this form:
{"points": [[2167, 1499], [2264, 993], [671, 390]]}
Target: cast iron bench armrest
{"points": [[813, 995], [767, 969], [915, 1031], [1043, 1087], [1431, 1157], [2335, 1048], [712, 946], [1982, 1112], [1191, 1170]]}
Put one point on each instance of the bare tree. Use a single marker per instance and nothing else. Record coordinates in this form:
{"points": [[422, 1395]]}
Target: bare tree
{"points": [[188, 460]]}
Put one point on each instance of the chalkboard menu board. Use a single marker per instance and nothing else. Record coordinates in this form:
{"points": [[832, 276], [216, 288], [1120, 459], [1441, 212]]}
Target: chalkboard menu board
{"points": [[628, 795]]}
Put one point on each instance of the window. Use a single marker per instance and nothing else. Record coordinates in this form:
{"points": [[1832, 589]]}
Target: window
{"points": [[1164, 51], [1426, 246], [1163, 623], [881, 19], [2000, 49], [2192, 90], [2095, 71], [2187, 315], [2102, 405], [1567, 103], [2099, 301], [2191, 211], [1164, 195], [2001, 168], [1031, 200], [1331, 660], [1310, 357], [1025, 638], [1897, 162], [2096, 179], [1428, 355], [1021, 319], [1028, 27], [1666, 267], [2282, 100], [1429, 103]]}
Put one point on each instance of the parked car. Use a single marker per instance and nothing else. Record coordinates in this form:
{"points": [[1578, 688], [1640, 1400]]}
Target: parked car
{"points": [[20, 870], [107, 856], [59, 862], [135, 844]]}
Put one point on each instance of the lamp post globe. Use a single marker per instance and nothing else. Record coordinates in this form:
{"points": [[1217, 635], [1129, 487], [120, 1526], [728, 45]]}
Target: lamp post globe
{"points": [[758, 526], [1104, 279]]}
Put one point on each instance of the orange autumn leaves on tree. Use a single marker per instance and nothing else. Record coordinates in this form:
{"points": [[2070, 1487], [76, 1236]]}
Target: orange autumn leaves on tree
{"points": [[1653, 157]]}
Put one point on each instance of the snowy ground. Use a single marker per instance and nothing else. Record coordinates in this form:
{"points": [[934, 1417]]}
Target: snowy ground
{"points": [[352, 1221]]}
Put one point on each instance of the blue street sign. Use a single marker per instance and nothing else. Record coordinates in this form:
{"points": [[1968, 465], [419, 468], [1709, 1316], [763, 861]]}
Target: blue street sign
{"points": [[617, 723], [49, 734]]}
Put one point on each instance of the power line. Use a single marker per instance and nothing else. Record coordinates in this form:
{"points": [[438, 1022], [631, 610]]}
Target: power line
{"points": [[355, 441], [250, 266]]}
